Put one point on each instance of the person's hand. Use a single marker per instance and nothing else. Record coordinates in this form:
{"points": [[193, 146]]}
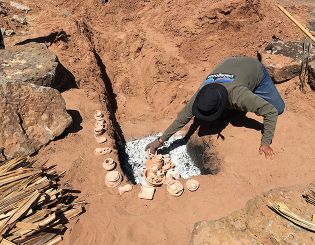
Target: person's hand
{"points": [[153, 146], [267, 150]]}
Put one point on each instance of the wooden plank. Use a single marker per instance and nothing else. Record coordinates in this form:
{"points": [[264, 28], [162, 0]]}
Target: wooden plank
{"points": [[19, 212], [6, 242]]}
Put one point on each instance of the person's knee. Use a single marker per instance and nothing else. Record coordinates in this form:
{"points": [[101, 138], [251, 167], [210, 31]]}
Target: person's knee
{"points": [[281, 107]]}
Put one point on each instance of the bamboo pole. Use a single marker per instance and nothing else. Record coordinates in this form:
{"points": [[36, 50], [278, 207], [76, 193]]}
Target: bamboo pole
{"points": [[297, 23]]}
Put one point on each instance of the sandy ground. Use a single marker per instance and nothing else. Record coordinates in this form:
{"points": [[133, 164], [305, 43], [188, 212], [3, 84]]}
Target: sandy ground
{"points": [[154, 54]]}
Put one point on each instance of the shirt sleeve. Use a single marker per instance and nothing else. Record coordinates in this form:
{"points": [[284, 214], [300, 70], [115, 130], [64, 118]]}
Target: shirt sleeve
{"points": [[182, 119], [245, 100]]}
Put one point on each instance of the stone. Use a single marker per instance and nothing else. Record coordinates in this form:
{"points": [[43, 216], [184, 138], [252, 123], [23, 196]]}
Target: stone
{"points": [[31, 63], [31, 116], [258, 224], [18, 19], [20, 6], [283, 59]]}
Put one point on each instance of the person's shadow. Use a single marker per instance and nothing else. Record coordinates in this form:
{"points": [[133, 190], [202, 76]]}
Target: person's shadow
{"points": [[233, 117]]}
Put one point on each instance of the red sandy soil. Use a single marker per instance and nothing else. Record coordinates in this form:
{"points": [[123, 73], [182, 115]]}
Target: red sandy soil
{"points": [[156, 54]]}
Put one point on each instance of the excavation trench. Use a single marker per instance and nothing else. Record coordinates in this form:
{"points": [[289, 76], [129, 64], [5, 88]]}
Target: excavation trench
{"points": [[191, 157]]}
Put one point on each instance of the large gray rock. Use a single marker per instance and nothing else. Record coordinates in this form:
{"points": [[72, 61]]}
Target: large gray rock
{"points": [[283, 59], [258, 224], [31, 63], [31, 116]]}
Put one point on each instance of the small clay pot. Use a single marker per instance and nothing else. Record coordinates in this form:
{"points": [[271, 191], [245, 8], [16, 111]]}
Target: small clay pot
{"points": [[98, 114], [124, 189], [109, 164], [113, 179], [175, 188], [158, 162], [98, 128], [173, 172], [192, 184]]}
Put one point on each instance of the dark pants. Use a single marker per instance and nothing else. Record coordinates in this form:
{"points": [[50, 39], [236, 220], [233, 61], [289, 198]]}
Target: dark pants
{"points": [[268, 91]]}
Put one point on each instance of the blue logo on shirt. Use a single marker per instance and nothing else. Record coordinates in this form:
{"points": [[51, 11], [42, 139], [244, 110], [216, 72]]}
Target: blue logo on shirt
{"points": [[220, 78]]}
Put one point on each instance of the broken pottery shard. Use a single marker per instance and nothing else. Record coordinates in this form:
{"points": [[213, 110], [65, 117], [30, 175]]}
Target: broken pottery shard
{"points": [[192, 184], [146, 192], [109, 164], [175, 188], [20, 6], [102, 151], [100, 139], [113, 179], [124, 189]]}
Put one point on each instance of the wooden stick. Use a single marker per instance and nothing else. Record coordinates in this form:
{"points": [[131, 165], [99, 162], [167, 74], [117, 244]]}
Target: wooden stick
{"points": [[297, 23]]}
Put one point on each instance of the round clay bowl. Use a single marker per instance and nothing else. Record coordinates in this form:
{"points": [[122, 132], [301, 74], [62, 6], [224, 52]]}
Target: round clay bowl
{"points": [[175, 188], [152, 183], [109, 164], [113, 179], [192, 184]]}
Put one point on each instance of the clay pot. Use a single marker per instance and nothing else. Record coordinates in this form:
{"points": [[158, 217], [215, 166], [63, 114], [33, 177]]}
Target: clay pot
{"points": [[158, 162], [152, 179], [173, 172], [113, 179], [124, 189], [175, 188], [168, 166], [102, 151], [109, 164], [98, 115], [192, 184]]}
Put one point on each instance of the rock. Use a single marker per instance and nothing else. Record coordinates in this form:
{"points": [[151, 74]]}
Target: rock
{"points": [[31, 116], [32, 63], [257, 224], [9, 33], [20, 6], [18, 19], [283, 59]]}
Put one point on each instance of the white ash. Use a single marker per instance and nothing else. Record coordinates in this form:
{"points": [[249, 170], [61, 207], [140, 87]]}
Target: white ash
{"points": [[175, 147]]}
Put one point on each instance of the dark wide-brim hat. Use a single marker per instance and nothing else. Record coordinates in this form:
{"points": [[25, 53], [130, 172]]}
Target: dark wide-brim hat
{"points": [[210, 102]]}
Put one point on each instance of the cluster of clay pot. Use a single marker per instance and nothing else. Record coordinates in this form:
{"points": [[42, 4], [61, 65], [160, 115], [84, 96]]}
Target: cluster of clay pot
{"points": [[113, 178], [159, 170]]}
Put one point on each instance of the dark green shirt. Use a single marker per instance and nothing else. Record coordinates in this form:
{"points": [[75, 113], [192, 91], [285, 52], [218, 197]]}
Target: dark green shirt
{"points": [[248, 73]]}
